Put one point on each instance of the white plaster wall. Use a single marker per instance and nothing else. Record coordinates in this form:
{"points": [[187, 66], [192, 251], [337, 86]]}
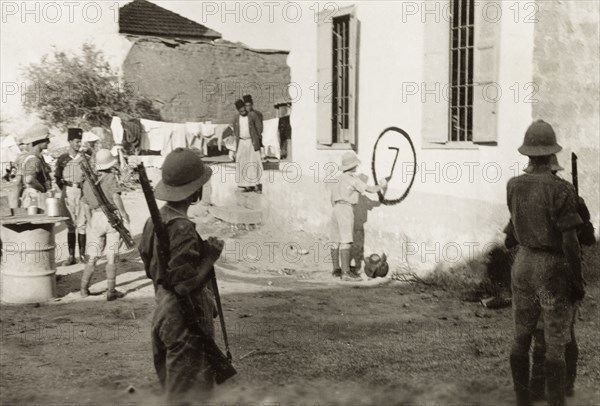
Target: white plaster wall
{"points": [[391, 55]]}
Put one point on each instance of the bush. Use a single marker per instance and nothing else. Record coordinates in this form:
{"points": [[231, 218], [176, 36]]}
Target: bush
{"points": [[81, 90]]}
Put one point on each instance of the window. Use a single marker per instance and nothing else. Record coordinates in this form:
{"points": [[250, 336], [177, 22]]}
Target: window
{"points": [[462, 52], [337, 78], [341, 74], [461, 68]]}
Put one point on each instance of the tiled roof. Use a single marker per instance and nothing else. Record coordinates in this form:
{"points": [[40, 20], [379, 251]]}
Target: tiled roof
{"points": [[142, 17]]}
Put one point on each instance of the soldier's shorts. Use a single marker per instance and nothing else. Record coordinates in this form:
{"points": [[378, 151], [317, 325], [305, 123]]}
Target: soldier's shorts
{"points": [[342, 225], [179, 357], [76, 208], [101, 236], [541, 287]]}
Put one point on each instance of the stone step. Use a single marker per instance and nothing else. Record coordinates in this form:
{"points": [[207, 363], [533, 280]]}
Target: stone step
{"points": [[236, 214]]}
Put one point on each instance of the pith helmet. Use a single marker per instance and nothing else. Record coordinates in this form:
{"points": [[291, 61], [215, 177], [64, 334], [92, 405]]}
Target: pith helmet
{"points": [[36, 132], [105, 160], [183, 173], [349, 161], [376, 266], [540, 140]]}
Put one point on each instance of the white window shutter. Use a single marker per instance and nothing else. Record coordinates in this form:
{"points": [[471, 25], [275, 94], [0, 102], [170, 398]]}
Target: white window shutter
{"points": [[485, 74], [324, 78], [353, 80], [436, 77]]}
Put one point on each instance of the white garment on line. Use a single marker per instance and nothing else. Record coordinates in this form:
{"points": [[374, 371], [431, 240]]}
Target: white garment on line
{"points": [[270, 138], [116, 126], [152, 138], [165, 135]]}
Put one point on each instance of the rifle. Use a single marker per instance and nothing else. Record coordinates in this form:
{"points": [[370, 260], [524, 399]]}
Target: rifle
{"points": [[574, 172], [585, 233], [220, 363], [112, 213]]}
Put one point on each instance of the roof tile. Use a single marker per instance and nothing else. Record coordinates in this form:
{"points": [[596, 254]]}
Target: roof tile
{"points": [[142, 17]]}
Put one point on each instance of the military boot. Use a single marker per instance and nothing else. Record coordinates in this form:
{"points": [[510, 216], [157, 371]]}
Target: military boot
{"points": [[88, 271], [571, 356], [71, 240], [519, 365], [335, 260], [81, 239], [537, 382], [555, 382], [111, 281], [348, 276]]}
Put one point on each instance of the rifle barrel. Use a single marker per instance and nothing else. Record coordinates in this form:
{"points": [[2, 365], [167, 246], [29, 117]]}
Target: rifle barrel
{"points": [[574, 174]]}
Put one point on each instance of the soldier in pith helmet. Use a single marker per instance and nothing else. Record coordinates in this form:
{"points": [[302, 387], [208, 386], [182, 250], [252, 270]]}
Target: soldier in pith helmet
{"points": [[546, 273]]}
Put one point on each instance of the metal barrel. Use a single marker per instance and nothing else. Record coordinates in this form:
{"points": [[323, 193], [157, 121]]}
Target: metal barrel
{"points": [[28, 267]]}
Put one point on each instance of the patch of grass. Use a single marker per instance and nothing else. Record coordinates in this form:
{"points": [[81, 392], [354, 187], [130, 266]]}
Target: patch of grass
{"points": [[591, 263], [469, 279]]}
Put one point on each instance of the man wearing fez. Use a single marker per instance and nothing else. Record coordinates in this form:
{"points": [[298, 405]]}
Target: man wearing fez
{"points": [[36, 172], [69, 178], [250, 107], [247, 128]]}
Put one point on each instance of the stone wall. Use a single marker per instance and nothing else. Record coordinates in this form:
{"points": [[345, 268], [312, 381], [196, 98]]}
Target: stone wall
{"points": [[566, 57], [201, 81]]}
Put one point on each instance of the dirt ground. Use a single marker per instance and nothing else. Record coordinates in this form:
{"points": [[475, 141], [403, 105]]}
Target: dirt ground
{"points": [[297, 336]]}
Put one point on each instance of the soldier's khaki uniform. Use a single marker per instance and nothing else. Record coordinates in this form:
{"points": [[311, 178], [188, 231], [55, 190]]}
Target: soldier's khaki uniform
{"points": [[37, 167], [179, 357], [69, 178], [542, 207], [101, 236]]}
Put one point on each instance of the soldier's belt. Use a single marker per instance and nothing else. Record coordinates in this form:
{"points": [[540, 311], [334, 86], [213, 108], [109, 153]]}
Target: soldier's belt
{"points": [[547, 250], [71, 184]]}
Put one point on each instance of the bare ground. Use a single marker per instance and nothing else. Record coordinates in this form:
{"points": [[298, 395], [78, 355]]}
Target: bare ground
{"points": [[297, 336]]}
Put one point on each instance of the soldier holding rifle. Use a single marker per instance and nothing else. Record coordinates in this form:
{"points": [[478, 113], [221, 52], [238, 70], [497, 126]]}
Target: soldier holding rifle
{"points": [[102, 233], [180, 265], [546, 274]]}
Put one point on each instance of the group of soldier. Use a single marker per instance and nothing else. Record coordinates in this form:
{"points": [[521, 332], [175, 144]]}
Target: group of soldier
{"points": [[547, 281], [87, 224]]}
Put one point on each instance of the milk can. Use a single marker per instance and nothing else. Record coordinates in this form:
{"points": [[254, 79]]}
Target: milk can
{"points": [[52, 206]]}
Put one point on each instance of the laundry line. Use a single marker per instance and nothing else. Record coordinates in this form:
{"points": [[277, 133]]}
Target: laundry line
{"points": [[164, 137]]}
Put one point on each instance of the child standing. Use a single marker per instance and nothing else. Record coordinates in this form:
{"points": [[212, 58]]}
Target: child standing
{"points": [[345, 192]]}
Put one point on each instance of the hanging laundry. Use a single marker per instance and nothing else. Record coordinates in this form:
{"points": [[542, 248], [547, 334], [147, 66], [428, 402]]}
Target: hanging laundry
{"points": [[166, 130], [219, 131], [116, 126], [132, 136], [179, 136], [270, 137], [153, 135]]}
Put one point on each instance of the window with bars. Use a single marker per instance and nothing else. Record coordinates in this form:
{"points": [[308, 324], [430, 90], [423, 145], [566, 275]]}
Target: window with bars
{"points": [[461, 69], [340, 106], [337, 62]]}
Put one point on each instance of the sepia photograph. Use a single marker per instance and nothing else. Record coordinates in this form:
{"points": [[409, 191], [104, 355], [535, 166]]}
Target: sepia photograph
{"points": [[300, 203]]}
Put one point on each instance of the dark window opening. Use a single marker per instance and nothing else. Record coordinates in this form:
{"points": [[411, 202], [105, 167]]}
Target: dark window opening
{"points": [[341, 78], [461, 68]]}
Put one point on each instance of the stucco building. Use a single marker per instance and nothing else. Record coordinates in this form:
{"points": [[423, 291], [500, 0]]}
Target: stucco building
{"points": [[464, 79]]}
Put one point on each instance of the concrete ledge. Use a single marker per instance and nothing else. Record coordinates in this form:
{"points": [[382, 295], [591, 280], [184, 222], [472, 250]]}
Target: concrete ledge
{"points": [[236, 215]]}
